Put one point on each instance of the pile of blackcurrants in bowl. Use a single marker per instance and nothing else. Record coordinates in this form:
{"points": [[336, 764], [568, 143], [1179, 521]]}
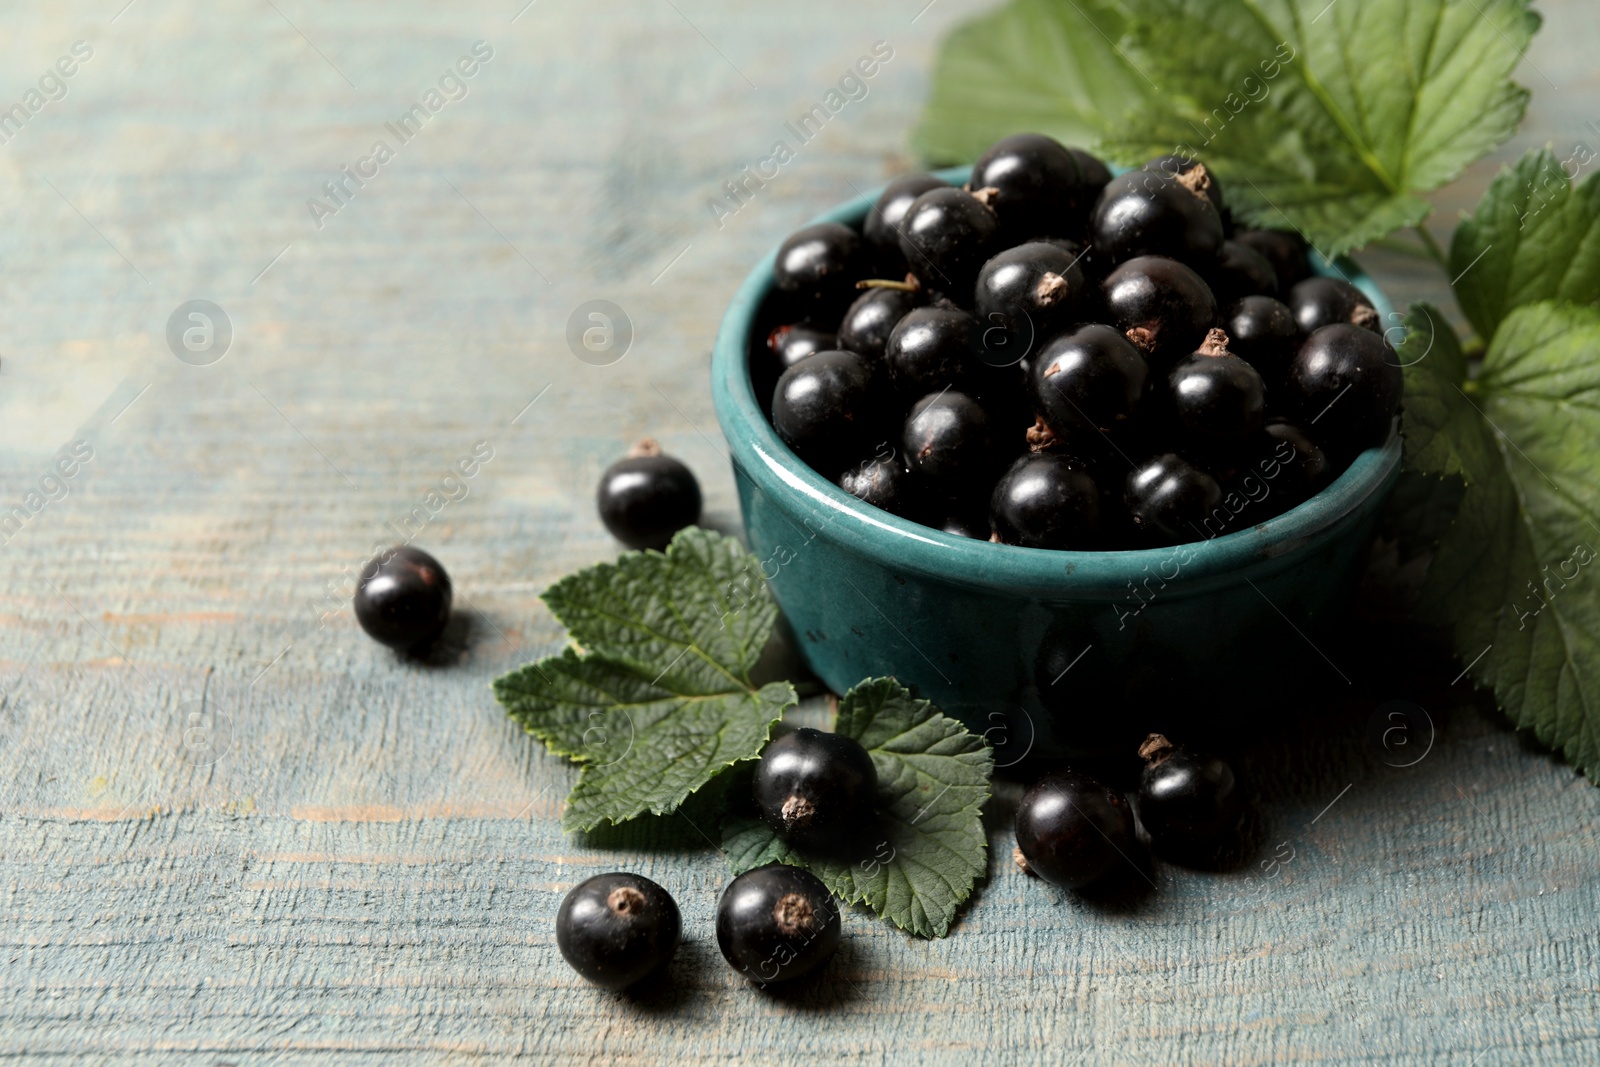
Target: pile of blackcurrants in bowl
{"points": [[1053, 357]]}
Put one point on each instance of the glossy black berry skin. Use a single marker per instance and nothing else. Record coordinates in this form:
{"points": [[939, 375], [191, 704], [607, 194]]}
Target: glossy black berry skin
{"points": [[617, 928], [967, 521], [946, 236], [1046, 501], [1086, 381], [790, 344], [1165, 307], [1240, 271], [1024, 296], [821, 259], [1036, 182], [1343, 387], [1217, 398], [1173, 164], [948, 440], [816, 790], [1072, 830], [882, 228], [931, 348], [1286, 251], [1296, 469], [825, 408], [1148, 213], [1168, 499], [1263, 333], [886, 482], [1093, 175], [1322, 301], [866, 326], [644, 500], [777, 923], [1188, 802], [403, 598]]}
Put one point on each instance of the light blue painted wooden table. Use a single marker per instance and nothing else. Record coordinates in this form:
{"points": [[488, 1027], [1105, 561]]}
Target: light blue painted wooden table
{"points": [[347, 858]]}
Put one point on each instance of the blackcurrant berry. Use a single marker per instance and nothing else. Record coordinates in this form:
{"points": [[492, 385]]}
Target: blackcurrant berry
{"points": [[964, 520], [1189, 803], [1147, 213], [791, 344], [1168, 498], [1263, 333], [647, 497], [947, 235], [1285, 250], [1045, 501], [1088, 380], [1036, 182], [825, 408], [866, 326], [932, 348], [1293, 466], [1322, 301], [1344, 387], [816, 790], [1164, 307], [818, 260], [1093, 175], [882, 228], [1215, 395], [1174, 164], [885, 482], [777, 923], [403, 598], [1072, 830], [1024, 296], [947, 439], [616, 928], [1240, 271]]}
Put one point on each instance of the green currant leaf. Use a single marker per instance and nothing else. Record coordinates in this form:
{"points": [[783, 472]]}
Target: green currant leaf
{"points": [[1512, 576], [1033, 66], [933, 778], [660, 700], [1332, 119], [1533, 237]]}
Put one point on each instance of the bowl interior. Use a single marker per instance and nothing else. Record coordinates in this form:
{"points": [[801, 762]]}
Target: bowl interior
{"points": [[759, 453]]}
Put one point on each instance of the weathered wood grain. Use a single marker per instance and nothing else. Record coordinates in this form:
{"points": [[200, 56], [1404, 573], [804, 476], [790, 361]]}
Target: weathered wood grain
{"points": [[367, 870]]}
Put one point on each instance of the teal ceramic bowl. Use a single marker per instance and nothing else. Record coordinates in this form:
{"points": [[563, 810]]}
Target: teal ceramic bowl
{"points": [[999, 634]]}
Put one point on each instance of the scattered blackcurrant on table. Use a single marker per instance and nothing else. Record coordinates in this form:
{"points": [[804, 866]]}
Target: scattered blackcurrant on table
{"points": [[1149, 213], [1160, 304], [1188, 803], [1262, 331], [646, 497], [1344, 387], [777, 923], [825, 407], [1088, 380], [947, 439], [1072, 830], [792, 343], [947, 235], [1322, 301], [403, 598], [1025, 295], [882, 228], [820, 259], [817, 790], [1215, 395], [1036, 183], [617, 928], [1168, 499], [1045, 501], [1286, 251], [867, 324]]}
